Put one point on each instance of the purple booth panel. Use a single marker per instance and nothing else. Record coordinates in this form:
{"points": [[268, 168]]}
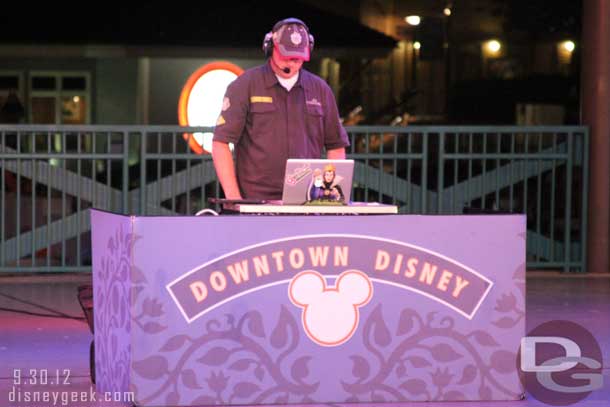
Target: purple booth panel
{"points": [[111, 265], [260, 310]]}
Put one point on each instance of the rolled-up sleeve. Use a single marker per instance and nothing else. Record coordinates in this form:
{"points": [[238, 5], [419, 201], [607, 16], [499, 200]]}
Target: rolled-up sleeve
{"points": [[335, 134], [232, 119]]}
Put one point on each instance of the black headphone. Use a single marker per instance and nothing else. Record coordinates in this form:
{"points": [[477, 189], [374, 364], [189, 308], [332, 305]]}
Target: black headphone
{"points": [[268, 41]]}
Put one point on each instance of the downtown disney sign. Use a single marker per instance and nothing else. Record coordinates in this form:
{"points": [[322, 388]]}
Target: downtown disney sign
{"points": [[330, 277]]}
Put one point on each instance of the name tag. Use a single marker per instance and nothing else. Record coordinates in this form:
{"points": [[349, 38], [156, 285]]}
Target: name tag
{"points": [[261, 99]]}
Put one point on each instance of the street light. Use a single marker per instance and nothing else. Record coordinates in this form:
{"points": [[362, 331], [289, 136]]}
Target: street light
{"points": [[568, 45], [565, 49], [493, 47], [413, 20]]}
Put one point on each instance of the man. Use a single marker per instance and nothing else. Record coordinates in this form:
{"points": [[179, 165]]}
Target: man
{"points": [[274, 112]]}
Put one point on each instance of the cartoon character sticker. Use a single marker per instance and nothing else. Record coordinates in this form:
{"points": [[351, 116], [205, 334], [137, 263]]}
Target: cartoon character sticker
{"points": [[325, 186], [316, 190], [298, 175]]}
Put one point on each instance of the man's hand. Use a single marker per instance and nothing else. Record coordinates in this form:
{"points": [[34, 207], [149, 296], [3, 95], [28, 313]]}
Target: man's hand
{"points": [[336, 154], [225, 169]]}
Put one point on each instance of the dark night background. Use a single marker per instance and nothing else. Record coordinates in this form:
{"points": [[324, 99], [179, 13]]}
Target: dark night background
{"points": [[343, 31]]}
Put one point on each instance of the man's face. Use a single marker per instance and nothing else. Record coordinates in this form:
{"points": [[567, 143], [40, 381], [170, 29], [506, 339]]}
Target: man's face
{"points": [[294, 64]]}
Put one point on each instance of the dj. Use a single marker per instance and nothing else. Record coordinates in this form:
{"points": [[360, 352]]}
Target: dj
{"points": [[274, 112]]}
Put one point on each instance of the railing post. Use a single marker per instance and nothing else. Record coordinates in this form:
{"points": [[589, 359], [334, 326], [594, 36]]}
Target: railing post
{"points": [[585, 201], [441, 171], [424, 176], [142, 183], [2, 201], [568, 208], [125, 190]]}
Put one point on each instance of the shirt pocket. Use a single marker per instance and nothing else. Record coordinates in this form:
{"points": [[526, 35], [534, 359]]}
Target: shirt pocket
{"points": [[315, 111], [262, 116], [315, 125]]}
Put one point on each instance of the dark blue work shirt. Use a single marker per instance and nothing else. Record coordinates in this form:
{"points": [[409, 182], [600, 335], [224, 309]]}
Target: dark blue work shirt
{"points": [[268, 124]]}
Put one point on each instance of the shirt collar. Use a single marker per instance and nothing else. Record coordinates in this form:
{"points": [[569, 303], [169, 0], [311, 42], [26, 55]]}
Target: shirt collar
{"points": [[270, 78]]}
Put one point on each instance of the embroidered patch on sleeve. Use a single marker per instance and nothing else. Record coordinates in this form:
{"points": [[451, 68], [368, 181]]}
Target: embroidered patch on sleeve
{"points": [[226, 104], [220, 121]]}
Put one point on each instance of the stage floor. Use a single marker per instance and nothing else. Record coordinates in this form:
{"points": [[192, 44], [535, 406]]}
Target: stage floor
{"points": [[31, 344]]}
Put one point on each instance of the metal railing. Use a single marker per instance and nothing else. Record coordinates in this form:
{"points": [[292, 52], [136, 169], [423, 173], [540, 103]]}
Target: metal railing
{"points": [[51, 175]]}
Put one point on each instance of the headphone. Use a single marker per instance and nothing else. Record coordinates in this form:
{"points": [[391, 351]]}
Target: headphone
{"points": [[268, 41]]}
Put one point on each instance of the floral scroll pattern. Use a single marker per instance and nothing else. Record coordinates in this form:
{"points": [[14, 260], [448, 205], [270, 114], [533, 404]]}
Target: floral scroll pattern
{"points": [[112, 322], [236, 360], [432, 360]]}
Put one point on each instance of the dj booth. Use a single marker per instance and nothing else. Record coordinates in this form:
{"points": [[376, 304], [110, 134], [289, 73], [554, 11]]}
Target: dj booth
{"points": [[257, 309]]}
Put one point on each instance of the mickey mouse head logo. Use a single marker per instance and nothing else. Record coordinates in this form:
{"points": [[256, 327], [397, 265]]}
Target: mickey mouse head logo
{"points": [[330, 314]]}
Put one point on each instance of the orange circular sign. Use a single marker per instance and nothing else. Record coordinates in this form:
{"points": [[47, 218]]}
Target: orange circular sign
{"points": [[200, 103]]}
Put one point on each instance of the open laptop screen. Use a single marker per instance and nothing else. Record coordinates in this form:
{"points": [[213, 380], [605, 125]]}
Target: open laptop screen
{"points": [[313, 181]]}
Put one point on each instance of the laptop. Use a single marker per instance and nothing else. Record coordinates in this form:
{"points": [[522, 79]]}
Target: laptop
{"points": [[317, 182]]}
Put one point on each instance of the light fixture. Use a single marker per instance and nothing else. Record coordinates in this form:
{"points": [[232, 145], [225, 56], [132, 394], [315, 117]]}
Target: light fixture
{"points": [[568, 45], [447, 11], [76, 99], [413, 20], [493, 46], [417, 45], [565, 49]]}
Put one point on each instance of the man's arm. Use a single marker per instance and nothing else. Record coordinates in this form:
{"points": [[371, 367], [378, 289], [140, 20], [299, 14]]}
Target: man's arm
{"points": [[225, 169], [336, 154], [335, 136]]}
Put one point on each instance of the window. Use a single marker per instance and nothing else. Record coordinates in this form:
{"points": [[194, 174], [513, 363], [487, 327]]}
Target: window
{"points": [[11, 97], [60, 98]]}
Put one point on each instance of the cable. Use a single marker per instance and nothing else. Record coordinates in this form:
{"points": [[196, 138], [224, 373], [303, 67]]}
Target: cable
{"points": [[58, 314], [37, 314], [204, 211]]}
